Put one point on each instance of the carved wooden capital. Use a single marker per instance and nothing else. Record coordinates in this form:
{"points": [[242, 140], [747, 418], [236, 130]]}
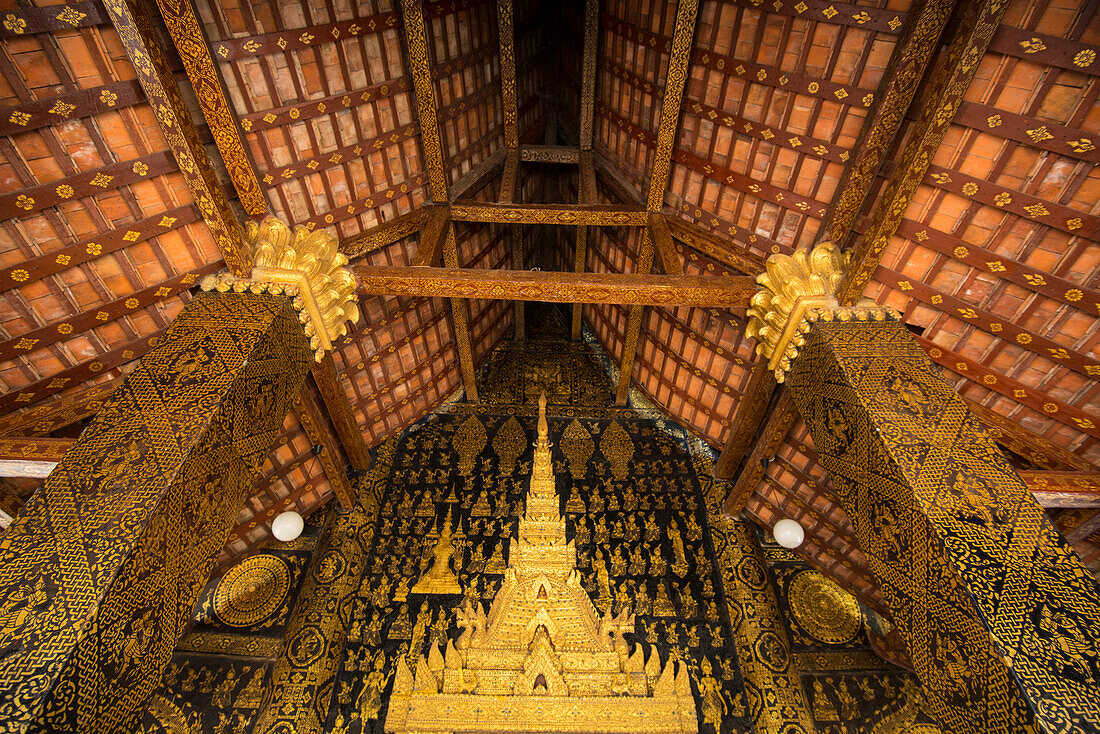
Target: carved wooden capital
{"points": [[795, 291], [304, 264]]}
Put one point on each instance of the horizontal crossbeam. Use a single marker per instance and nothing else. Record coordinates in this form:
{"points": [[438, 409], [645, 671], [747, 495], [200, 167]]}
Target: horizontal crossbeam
{"points": [[598, 215], [558, 287]]}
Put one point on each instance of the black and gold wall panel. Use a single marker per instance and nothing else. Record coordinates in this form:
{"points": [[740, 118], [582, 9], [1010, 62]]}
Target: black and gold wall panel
{"points": [[1001, 619], [100, 572]]}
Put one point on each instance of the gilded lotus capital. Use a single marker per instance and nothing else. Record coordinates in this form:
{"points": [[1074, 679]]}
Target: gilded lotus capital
{"points": [[307, 265], [796, 290]]}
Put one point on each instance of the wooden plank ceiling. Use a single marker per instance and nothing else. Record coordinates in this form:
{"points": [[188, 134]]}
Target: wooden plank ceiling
{"points": [[994, 262]]}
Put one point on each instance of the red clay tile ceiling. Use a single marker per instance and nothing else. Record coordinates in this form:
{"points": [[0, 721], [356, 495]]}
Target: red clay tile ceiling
{"points": [[994, 265]]}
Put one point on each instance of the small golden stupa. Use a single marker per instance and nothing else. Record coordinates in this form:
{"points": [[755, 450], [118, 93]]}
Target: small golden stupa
{"points": [[543, 659]]}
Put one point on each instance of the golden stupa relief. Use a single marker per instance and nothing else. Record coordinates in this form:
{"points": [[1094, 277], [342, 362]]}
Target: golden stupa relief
{"points": [[543, 659]]}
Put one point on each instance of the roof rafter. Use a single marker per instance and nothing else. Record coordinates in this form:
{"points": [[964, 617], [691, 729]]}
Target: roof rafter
{"points": [[687, 12]]}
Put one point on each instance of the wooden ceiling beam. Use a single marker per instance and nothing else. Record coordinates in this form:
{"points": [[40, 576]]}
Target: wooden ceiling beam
{"points": [[385, 233], [662, 240], [432, 237], [311, 416], [1063, 488], [550, 154], [946, 91], [585, 195], [591, 43], [479, 176], [420, 68], [700, 291], [416, 45], [725, 251], [687, 12], [918, 42], [143, 49], [187, 34], [340, 412], [505, 25], [598, 215]]}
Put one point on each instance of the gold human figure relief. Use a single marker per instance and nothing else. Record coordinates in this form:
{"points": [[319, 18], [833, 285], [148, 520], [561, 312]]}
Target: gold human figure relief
{"points": [[542, 658], [680, 563], [441, 578]]}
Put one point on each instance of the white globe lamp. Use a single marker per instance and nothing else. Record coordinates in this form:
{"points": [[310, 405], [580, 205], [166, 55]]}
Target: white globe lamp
{"points": [[788, 533], [288, 526]]}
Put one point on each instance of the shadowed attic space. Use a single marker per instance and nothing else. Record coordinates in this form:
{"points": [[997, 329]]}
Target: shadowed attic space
{"points": [[635, 163]]}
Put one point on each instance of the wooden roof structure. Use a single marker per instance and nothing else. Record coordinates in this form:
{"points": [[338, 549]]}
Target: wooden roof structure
{"points": [[952, 149]]}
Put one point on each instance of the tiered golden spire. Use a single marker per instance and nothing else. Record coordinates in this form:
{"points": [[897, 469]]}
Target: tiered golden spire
{"points": [[543, 659]]}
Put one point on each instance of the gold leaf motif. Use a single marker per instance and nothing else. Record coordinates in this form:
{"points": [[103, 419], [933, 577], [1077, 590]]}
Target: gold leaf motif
{"points": [[1081, 145], [108, 98], [1075, 223], [93, 248], [1084, 58], [1074, 294], [1023, 338], [62, 109], [1036, 210], [961, 252], [64, 328], [166, 221], [829, 12], [509, 444], [996, 266], [894, 23], [800, 8], [469, 442], [24, 202], [993, 121], [62, 259], [577, 445], [970, 188], [19, 118], [140, 168], [131, 236], [102, 180], [813, 87], [1035, 279], [840, 93], [1033, 46], [1039, 134], [15, 24], [20, 275], [70, 16], [616, 446], [861, 17], [1002, 199], [65, 191]]}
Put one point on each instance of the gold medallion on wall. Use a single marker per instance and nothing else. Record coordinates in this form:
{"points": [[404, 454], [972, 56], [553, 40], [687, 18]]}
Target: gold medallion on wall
{"points": [[826, 612], [252, 590]]}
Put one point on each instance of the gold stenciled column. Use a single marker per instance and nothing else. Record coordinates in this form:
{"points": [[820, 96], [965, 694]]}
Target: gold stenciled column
{"points": [[100, 571], [1001, 619]]}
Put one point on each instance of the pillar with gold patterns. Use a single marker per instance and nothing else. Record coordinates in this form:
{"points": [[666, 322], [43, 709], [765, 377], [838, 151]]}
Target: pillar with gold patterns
{"points": [[100, 571], [1001, 619]]}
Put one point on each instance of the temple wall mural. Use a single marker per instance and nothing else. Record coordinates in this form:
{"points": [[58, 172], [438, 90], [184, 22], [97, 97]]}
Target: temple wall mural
{"points": [[639, 507]]}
